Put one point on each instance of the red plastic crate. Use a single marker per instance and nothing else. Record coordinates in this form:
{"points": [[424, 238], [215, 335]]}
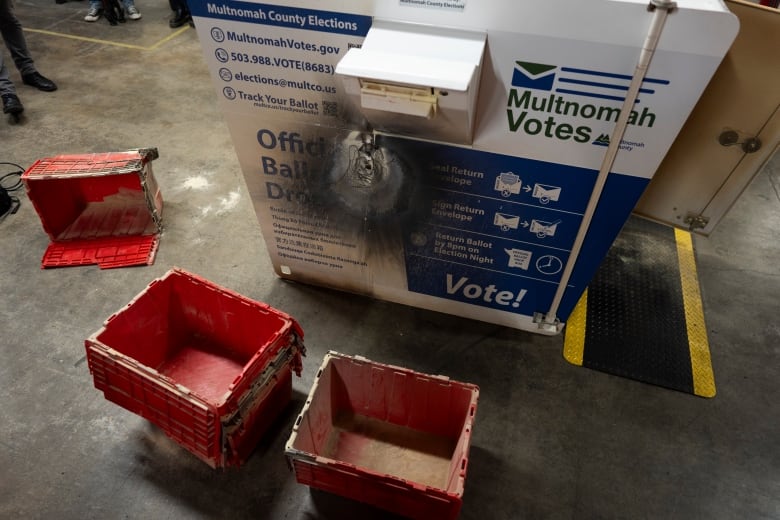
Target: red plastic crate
{"points": [[102, 208], [210, 367], [385, 435]]}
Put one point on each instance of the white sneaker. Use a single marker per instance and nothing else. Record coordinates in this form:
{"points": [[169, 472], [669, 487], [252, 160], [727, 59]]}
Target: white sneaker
{"points": [[93, 15], [133, 13]]}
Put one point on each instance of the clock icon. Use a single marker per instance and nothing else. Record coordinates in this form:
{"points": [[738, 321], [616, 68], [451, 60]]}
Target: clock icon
{"points": [[549, 265]]}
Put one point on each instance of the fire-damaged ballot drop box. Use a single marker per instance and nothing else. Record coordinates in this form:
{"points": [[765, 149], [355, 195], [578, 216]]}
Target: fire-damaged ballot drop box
{"points": [[474, 157]]}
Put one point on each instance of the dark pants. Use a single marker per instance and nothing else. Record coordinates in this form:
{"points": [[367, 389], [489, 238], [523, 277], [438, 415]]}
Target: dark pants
{"points": [[11, 30], [177, 5]]}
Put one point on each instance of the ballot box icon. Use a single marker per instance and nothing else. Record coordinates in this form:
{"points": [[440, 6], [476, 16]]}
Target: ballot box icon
{"points": [[546, 193], [506, 222], [508, 184]]}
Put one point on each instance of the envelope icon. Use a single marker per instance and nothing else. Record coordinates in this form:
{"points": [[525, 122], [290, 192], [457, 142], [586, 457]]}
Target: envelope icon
{"points": [[544, 229], [546, 193], [506, 222], [533, 75], [508, 183]]}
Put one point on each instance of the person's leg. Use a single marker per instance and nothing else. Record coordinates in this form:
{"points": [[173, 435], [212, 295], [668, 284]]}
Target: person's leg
{"points": [[6, 85], [94, 12], [14, 38], [181, 13], [11, 103], [132, 11]]}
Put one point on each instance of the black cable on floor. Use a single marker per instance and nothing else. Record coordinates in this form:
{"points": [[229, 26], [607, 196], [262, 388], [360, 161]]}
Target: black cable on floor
{"points": [[8, 203]]}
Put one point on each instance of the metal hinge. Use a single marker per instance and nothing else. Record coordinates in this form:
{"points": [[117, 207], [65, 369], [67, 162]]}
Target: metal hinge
{"points": [[697, 221]]}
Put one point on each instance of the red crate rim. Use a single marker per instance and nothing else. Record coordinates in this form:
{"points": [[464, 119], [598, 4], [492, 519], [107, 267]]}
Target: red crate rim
{"points": [[91, 164]]}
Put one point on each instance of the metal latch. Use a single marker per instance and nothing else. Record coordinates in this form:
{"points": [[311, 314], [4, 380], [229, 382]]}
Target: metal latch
{"points": [[731, 138]]}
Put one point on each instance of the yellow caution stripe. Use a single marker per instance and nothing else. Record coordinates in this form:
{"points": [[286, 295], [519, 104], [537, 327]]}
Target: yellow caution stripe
{"points": [[574, 340], [109, 42], [701, 364]]}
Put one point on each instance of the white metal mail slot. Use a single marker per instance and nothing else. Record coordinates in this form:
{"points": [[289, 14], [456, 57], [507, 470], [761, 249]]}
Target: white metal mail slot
{"points": [[415, 79], [395, 67]]}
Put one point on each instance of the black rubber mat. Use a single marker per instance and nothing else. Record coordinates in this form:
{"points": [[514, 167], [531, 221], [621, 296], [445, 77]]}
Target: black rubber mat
{"points": [[641, 316]]}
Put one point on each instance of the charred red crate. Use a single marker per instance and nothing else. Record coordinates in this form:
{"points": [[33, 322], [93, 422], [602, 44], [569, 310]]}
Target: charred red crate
{"points": [[210, 367], [385, 435], [100, 208]]}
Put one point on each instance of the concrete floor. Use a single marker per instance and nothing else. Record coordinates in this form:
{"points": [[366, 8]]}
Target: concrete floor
{"points": [[551, 440]]}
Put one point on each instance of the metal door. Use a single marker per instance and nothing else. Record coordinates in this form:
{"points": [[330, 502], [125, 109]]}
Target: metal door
{"points": [[731, 133]]}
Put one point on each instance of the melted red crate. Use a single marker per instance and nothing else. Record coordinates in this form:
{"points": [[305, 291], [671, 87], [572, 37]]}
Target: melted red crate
{"points": [[385, 435], [102, 208], [210, 367]]}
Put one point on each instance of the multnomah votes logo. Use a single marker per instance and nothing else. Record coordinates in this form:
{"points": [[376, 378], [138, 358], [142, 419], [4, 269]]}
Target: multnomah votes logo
{"points": [[553, 101], [534, 75], [577, 81]]}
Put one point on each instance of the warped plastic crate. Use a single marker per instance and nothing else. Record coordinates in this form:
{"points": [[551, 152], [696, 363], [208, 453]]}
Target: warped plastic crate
{"points": [[100, 208], [385, 435], [211, 368]]}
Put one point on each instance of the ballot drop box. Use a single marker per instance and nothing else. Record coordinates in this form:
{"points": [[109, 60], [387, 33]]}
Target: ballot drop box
{"points": [[470, 157]]}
